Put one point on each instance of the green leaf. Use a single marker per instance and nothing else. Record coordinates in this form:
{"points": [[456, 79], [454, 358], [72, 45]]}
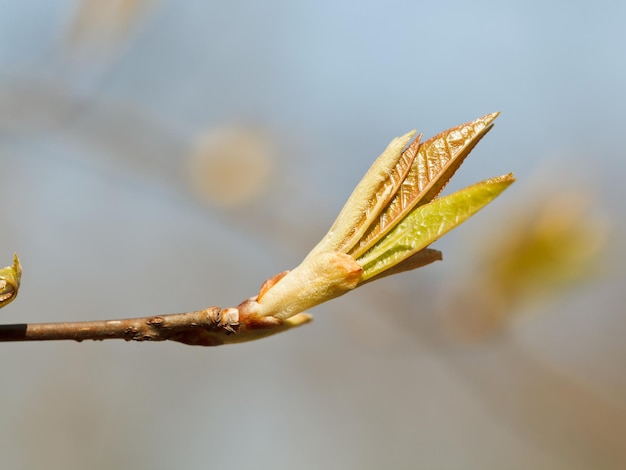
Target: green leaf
{"points": [[10, 277], [427, 223]]}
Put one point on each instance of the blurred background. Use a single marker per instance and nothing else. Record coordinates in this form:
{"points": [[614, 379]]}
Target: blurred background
{"points": [[162, 156]]}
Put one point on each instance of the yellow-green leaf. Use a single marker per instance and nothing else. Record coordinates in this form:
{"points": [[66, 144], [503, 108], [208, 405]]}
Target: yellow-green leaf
{"points": [[427, 223], [10, 277]]}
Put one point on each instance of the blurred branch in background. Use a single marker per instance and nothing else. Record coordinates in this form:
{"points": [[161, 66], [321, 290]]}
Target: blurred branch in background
{"points": [[63, 97], [554, 242], [103, 23], [231, 167], [546, 406]]}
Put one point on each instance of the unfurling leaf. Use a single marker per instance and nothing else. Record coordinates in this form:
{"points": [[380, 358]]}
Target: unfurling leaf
{"points": [[429, 222], [370, 197], [10, 277], [434, 163], [388, 221]]}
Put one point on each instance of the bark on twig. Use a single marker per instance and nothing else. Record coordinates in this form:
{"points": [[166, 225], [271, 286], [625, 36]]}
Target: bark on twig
{"points": [[213, 326], [191, 328]]}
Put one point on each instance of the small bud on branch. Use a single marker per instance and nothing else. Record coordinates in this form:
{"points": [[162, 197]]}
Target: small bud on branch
{"points": [[10, 277]]}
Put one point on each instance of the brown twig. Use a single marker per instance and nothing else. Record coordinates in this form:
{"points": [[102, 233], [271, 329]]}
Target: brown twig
{"points": [[191, 328], [213, 326]]}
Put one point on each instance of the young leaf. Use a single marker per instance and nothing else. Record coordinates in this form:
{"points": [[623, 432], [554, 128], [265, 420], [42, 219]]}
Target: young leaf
{"points": [[10, 277], [391, 217], [372, 194], [436, 162], [416, 260], [429, 222]]}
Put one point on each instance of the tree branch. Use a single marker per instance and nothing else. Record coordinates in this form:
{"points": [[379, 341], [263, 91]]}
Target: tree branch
{"points": [[388, 222], [213, 326]]}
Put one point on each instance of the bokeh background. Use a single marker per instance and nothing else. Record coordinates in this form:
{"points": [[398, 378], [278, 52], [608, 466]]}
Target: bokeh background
{"points": [[164, 156]]}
